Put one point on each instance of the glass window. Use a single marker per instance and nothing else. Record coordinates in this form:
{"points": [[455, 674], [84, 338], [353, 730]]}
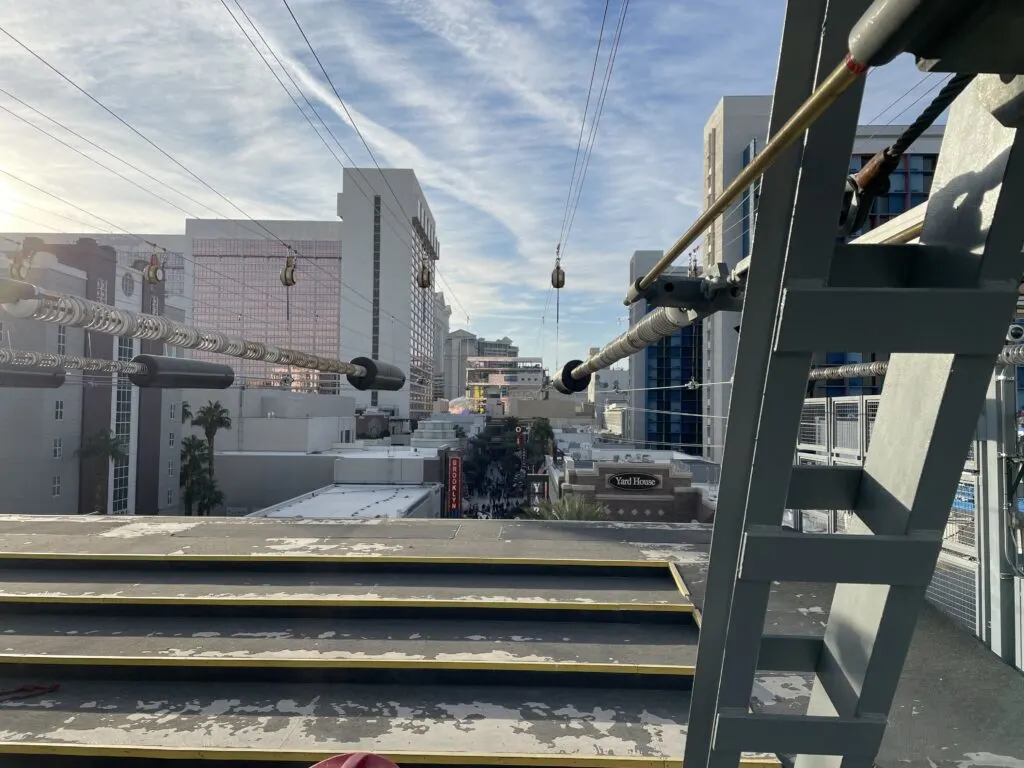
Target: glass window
{"points": [[170, 498], [174, 411], [170, 439], [62, 340], [101, 290], [58, 410], [170, 467], [898, 182], [58, 448], [916, 162], [917, 182], [55, 486], [897, 204]]}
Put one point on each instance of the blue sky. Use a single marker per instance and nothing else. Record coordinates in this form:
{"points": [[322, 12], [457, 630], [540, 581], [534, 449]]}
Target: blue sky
{"points": [[483, 99]]}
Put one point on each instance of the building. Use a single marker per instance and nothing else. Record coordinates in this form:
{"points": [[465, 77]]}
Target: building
{"points": [[507, 378], [435, 434], [638, 489], [360, 502], [613, 418], [462, 345], [363, 287], [44, 428], [662, 413], [239, 293], [390, 233], [442, 320], [607, 386], [733, 135]]}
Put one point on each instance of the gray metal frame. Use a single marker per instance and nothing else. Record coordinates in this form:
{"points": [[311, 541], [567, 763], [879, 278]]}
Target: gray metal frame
{"points": [[804, 296]]}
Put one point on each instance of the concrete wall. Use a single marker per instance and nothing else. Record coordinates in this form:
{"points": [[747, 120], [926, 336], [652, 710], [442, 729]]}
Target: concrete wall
{"points": [[382, 470], [254, 481], [566, 409], [430, 507]]}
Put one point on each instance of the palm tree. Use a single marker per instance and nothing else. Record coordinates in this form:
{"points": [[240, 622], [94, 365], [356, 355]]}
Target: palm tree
{"points": [[186, 412], [570, 507], [209, 496], [194, 456], [212, 418], [103, 448]]}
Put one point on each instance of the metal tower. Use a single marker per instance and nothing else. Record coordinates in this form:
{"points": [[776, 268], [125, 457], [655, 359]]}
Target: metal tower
{"points": [[940, 307]]}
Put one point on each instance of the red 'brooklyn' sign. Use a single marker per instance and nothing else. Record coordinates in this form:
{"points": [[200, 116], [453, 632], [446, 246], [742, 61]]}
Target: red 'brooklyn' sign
{"points": [[455, 484]]}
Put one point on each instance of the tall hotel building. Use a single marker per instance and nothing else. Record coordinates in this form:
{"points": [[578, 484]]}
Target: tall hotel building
{"points": [[360, 288]]}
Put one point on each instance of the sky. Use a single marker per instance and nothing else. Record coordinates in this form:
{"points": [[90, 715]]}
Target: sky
{"points": [[483, 99]]}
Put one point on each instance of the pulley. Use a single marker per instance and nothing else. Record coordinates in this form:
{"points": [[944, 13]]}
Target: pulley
{"points": [[426, 279], [288, 273], [154, 272], [22, 259], [557, 276], [19, 268]]}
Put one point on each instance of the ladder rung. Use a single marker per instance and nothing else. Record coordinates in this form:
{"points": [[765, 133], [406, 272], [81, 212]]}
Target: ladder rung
{"points": [[798, 734], [890, 320], [775, 554], [790, 653], [823, 487], [883, 265]]}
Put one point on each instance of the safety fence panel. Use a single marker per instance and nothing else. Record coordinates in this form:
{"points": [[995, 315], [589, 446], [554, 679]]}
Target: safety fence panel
{"points": [[813, 435]]}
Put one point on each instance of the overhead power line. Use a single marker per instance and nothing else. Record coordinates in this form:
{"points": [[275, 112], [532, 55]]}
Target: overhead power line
{"points": [[596, 122], [403, 220], [143, 136], [583, 121]]}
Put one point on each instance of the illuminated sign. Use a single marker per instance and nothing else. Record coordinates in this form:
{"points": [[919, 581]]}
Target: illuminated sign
{"points": [[634, 481], [454, 501]]}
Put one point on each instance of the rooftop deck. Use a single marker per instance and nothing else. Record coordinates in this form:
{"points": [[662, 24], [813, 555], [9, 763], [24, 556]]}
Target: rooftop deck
{"points": [[230, 641]]}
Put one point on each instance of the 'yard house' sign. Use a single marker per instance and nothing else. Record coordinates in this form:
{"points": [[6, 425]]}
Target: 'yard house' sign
{"points": [[634, 481]]}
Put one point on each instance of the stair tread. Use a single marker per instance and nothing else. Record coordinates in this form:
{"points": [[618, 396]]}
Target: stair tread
{"points": [[495, 589], [367, 641], [468, 725]]}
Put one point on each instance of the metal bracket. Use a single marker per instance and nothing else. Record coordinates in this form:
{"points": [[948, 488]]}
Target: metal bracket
{"points": [[703, 295]]}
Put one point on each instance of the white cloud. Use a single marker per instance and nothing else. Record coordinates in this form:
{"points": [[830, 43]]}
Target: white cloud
{"points": [[482, 100]]}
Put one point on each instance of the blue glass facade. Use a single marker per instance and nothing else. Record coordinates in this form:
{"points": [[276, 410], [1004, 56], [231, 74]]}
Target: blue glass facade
{"points": [[672, 416]]}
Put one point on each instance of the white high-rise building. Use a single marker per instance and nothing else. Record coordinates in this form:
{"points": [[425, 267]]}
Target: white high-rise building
{"points": [[442, 317], [390, 246]]}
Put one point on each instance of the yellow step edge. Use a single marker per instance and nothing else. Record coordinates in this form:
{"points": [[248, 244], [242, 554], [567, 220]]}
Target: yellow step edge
{"points": [[329, 558], [520, 760], [330, 602], [577, 667], [677, 577]]}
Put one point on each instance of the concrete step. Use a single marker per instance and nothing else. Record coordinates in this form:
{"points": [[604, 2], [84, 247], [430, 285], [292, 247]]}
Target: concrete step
{"points": [[275, 649], [298, 724], [284, 591]]}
